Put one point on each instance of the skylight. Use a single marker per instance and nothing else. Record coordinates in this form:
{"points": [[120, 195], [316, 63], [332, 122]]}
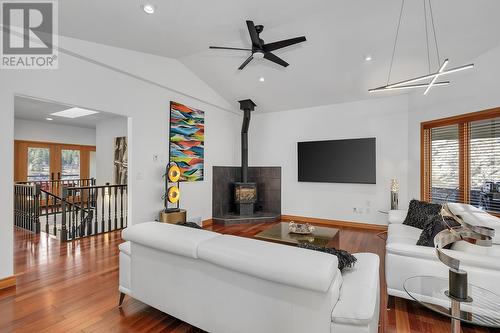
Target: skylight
{"points": [[74, 113]]}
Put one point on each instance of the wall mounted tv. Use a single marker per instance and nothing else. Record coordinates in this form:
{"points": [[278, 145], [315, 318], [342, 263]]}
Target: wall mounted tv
{"points": [[338, 161]]}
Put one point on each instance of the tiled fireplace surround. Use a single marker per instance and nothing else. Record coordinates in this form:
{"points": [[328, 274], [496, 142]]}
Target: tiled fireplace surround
{"points": [[268, 206]]}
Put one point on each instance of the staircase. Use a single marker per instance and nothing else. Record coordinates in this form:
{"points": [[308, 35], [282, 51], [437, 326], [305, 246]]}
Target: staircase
{"points": [[70, 210]]}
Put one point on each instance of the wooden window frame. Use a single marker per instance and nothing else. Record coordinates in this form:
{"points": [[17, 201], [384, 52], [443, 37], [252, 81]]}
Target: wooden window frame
{"points": [[463, 122]]}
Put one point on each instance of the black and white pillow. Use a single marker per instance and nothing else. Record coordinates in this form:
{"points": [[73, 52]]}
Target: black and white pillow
{"points": [[419, 213], [435, 224]]}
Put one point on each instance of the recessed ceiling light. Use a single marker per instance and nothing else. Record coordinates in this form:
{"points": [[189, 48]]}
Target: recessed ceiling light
{"points": [[74, 113], [148, 9], [49, 119], [261, 79], [368, 57]]}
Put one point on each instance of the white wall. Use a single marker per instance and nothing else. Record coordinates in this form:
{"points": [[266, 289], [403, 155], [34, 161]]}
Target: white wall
{"points": [[273, 141], [89, 85], [470, 91], [31, 130], [106, 132]]}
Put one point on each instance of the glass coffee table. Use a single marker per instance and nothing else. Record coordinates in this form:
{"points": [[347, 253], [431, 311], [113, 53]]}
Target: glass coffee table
{"points": [[321, 236], [482, 308]]}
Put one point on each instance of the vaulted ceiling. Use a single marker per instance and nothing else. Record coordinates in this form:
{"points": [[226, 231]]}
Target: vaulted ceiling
{"points": [[329, 68]]}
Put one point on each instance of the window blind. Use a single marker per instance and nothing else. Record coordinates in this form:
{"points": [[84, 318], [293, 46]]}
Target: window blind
{"points": [[484, 164], [444, 164]]}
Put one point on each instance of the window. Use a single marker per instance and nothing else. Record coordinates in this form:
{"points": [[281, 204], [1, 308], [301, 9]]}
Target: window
{"points": [[461, 160]]}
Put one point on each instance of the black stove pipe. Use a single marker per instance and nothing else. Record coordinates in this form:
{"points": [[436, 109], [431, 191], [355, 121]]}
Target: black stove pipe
{"points": [[247, 106]]}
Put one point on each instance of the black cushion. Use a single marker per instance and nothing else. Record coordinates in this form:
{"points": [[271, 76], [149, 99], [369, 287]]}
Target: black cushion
{"points": [[345, 258], [419, 213], [434, 226], [189, 225]]}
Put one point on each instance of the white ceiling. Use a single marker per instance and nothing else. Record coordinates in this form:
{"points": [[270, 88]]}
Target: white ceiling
{"points": [[38, 110], [328, 68]]}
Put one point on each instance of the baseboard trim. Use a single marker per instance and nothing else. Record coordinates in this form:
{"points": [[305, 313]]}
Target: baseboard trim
{"points": [[8, 282], [334, 223], [207, 223]]}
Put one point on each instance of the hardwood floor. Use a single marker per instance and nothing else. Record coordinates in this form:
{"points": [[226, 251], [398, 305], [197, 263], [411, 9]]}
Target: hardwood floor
{"points": [[73, 287]]}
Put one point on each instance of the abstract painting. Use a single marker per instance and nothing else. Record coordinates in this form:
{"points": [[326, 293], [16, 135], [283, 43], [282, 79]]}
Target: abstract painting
{"points": [[121, 160], [187, 139]]}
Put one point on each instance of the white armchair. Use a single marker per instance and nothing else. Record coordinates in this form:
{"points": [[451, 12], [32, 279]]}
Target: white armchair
{"points": [[405, 259]]}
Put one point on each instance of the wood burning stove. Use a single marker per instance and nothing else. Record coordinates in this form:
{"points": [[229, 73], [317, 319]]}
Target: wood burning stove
{"points": [[245, 193], [245, 196]]}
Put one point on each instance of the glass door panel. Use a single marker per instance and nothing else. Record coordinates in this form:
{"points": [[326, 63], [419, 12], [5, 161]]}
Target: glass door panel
{"points": [[38, 164], [70, 164]]}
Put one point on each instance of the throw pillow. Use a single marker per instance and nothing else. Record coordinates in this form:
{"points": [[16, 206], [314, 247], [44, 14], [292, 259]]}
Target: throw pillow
{"points": [[345, 258], [434, 226], [419, 213], [189, 225]]}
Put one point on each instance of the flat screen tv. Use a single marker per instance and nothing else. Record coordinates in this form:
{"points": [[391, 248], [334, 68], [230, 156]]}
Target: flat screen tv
{"points": [[338, 161]]}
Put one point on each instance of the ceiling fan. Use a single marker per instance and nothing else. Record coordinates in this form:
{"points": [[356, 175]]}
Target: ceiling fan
{"points": [[262, 50]]}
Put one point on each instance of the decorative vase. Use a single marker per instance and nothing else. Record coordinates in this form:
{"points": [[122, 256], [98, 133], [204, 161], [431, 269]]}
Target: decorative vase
{"points": [[394, 194]]}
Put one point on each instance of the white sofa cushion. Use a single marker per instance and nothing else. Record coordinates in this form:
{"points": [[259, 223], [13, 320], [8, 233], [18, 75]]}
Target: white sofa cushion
{"points": [[125, 248], [424, 252], [397, 216], [285, 264], [401, 233], [357, 302], [168, 237]]}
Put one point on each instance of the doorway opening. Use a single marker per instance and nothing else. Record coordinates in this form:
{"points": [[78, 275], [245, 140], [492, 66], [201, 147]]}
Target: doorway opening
{"points": [[70, 169]]}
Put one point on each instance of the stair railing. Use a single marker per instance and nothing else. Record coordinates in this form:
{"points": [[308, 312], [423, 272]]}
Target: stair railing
{"points": [[27, 207], [77, 212]]}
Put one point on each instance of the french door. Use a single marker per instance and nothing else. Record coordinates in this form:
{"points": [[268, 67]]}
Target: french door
{"points": [[51, 163]]}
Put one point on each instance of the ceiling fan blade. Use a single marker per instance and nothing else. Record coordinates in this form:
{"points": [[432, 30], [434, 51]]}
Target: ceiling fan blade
{"points": [[246, 62], [254, 36], [228, 48], [271, 57], [283, 43]]}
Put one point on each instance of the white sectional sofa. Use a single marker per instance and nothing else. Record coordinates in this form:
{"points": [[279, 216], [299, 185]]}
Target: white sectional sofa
{"points": [[404, 259], [222, 283]]}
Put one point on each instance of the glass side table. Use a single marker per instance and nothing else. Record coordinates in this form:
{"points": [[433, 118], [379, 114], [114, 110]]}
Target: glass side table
{"points": [[482, 308]]}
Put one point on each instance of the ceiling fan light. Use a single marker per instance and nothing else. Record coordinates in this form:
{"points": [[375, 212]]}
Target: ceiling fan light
{"points": [[258, 55]]}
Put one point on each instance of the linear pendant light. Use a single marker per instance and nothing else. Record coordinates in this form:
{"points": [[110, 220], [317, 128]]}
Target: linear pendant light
{"points": [[433, 77]]}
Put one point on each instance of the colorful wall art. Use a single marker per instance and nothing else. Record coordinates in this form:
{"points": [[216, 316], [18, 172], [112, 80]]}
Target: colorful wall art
{"points": [[187, 139]]}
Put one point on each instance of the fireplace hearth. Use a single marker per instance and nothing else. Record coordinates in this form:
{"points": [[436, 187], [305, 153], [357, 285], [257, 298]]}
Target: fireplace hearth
{"points": [[267, 205]]}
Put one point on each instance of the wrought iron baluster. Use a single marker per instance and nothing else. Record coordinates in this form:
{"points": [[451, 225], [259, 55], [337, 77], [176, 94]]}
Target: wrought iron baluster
{"points": [[64, 235], [95, 195], [89, 215], [54, 210], [121, 207], [126, 216], [36, 208], [24, 202], [116, 208], [109, 206], [103, 195]]}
